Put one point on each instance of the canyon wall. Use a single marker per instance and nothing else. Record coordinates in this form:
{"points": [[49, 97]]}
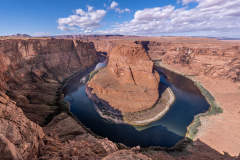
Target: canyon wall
{"points": [[33, 69]]}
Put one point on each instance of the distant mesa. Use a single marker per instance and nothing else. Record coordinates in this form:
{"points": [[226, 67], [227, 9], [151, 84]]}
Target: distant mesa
{"points": [[21, 35]]}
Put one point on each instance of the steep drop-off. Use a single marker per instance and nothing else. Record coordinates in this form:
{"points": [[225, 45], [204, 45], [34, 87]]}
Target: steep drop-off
{"points": [[32, 70]]}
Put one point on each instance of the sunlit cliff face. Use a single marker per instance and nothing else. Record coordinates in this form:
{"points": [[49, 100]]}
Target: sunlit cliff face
{"points": [[129, 83]]}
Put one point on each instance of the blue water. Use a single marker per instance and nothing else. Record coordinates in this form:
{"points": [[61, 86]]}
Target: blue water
{"points": [[165, 132]]}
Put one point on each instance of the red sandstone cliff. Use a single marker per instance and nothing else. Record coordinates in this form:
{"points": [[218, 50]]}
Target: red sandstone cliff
{"points": [[31, 70], [129, 83]]}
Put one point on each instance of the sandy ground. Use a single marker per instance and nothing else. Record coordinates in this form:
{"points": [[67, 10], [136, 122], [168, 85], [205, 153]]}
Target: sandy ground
{"points": [[221, 132], [162, 113]]}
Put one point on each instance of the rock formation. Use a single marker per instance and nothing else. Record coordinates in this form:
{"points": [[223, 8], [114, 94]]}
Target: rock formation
{"points": [[32, 70], [129, 83], [19, 137]]}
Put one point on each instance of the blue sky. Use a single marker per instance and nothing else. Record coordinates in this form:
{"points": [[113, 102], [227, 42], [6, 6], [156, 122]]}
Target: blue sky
{"points": [[127, 17]]}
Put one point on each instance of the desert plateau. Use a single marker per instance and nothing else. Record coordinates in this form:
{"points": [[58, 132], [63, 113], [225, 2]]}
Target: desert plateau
{"points": [[120, 80]]}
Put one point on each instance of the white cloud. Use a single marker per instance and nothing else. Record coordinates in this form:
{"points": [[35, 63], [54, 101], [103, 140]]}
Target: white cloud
{"points": [[187, 1], [87, 31], [82, 20], [205, 3], [104, 5], [41, 34], [122, 10], [209, 3], [150, 14], [113, 5], [209, 17], [66, 28], [90, 8], [118, 10]]}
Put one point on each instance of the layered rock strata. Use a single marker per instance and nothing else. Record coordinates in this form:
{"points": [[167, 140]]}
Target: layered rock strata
{"points": [[31, 71], [129, 83], [20, 138]]}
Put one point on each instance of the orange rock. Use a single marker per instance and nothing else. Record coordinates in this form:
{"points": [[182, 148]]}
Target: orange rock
{"points": [[129, 83]]}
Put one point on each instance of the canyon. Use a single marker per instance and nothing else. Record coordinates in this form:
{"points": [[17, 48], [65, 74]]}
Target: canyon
{"points": [[35, 122]]}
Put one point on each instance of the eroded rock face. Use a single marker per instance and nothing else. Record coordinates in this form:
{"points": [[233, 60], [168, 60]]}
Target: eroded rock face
{"points": [[216, 60], [20, 136], [66, 138], [129, 83], [33, 69], [8, 150]]}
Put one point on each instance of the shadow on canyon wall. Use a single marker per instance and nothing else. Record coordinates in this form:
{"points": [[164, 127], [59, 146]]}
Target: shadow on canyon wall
{"points": [[179, 81]]}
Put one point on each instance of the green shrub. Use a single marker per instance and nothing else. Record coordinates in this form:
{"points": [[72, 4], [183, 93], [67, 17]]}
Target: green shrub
{"points": [[93, 73], [213, 110]]}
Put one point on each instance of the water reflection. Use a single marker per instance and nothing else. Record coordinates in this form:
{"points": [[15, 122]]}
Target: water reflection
{"points": [[101, 64]]}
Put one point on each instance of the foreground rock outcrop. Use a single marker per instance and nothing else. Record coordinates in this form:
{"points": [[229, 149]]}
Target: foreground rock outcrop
{"points": [[20, 138], [129, 83]]}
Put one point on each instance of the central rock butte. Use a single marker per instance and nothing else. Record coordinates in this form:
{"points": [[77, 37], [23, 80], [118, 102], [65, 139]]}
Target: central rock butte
{"points": [[129, 83]]}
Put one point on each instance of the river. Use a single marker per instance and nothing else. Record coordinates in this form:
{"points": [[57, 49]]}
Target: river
{"points": [[165, 132]]}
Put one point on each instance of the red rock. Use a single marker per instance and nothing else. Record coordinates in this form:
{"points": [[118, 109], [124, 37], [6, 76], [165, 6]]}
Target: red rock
{"points": [[129, 83], [8, 150]]}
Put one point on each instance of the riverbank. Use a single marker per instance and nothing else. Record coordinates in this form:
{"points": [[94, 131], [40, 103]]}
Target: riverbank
{"points": [[156, 112], [219, 131]]}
